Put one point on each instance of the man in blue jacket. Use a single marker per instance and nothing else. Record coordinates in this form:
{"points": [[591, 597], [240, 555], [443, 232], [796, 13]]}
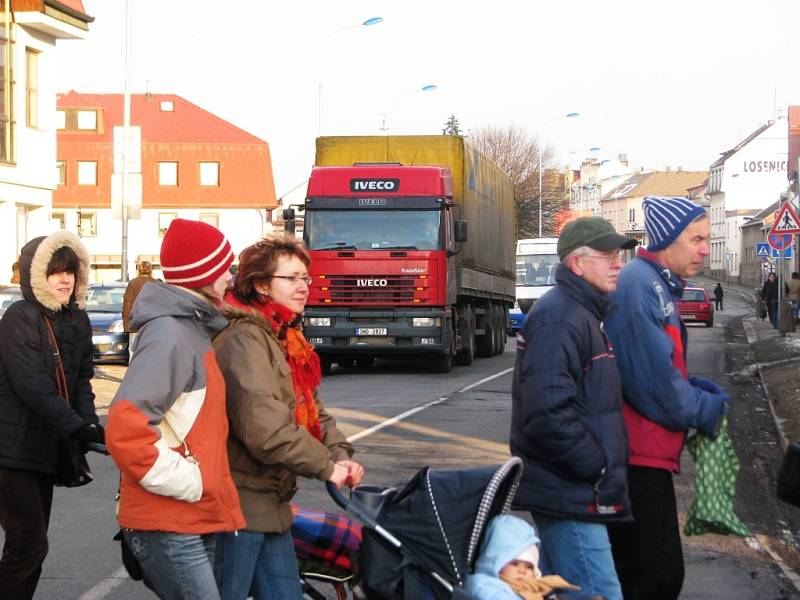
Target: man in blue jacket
{"points": [[566, 420], [661, 401]]}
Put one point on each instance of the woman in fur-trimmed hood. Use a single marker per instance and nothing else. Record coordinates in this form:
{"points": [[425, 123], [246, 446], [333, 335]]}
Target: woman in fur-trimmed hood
{"points": [[37, 406]]}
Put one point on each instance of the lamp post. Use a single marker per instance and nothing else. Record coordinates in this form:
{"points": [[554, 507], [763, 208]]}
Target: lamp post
{"points": [[571, 115], [369, 22], [431, 87]]}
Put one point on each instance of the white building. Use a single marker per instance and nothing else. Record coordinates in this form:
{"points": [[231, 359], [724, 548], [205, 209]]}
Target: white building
{"points": [[28, 118], [749, 176], [732, 257], [597, 178]]}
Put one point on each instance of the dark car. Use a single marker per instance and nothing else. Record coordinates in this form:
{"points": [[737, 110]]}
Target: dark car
{"points": [[8, 295], [104, 307], [695, 305]]}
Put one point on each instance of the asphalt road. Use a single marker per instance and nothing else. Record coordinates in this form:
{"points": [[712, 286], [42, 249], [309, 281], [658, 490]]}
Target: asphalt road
{"points": [[459, 424]]}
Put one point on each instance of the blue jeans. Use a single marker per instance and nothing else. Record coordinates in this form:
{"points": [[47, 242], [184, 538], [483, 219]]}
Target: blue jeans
{"points": [[257, 563], [176, 566], [581, 553]]}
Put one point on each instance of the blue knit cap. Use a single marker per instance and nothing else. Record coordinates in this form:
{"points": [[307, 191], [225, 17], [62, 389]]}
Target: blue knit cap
{"points": [[665, 218]]}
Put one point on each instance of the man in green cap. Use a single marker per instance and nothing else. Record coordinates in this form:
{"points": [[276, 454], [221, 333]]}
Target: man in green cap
{"points": [[566, 420]]}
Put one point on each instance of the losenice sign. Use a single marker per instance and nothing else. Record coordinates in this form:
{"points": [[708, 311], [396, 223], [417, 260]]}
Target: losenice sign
{"points": [[764, 166]]}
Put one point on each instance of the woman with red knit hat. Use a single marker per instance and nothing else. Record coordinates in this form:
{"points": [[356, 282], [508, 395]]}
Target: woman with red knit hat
{"points": [[167, 427], [279, 427]]}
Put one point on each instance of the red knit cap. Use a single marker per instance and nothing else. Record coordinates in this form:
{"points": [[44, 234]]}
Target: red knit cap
{"points": [[194, 254]]}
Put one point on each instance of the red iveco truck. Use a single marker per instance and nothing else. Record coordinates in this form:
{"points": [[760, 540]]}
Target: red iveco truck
{"points": [[412, 241]]}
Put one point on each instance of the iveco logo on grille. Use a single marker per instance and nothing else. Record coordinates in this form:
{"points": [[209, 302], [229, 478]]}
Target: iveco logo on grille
{"points": [[371, 282], [372, 185]]}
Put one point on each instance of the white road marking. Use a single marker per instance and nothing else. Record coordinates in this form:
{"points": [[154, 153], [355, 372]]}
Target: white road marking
{"points": [[103, 589], [389, 422]]}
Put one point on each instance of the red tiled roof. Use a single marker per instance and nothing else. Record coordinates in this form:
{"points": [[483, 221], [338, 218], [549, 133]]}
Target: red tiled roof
{"points": [[76, 5], [186, 123], [794, 139]]}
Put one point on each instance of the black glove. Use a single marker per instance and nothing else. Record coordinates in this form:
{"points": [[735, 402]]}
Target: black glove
{"points": [[90, 433]]}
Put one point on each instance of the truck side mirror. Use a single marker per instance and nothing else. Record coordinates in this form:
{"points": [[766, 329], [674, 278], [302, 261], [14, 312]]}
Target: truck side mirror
{"points": [[288, 220], [460, 231]]}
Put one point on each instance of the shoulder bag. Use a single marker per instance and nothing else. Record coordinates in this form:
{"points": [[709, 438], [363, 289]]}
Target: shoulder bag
{"points": [[72, 469]]}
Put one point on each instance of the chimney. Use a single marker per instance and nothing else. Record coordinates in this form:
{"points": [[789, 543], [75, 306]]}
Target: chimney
{"points": [[669, 169], [680, 169]]}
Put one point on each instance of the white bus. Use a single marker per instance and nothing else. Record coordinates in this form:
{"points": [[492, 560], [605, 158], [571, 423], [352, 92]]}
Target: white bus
{"points": [[537, 261]]}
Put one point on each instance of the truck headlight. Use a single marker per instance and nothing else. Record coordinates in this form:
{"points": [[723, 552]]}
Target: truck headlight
{"points": [[319, 321], [116, 327], [426, 322]]}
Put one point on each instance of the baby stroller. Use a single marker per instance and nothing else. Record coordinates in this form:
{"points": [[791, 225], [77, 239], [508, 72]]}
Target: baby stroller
{"points": [[420, 543]]}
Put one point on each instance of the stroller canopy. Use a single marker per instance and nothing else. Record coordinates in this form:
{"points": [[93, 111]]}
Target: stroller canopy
{"points": [[440, 516]]}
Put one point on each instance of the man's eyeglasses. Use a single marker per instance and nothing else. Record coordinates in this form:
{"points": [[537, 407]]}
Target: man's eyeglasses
{"points": [[295, 279], [610, 257]]}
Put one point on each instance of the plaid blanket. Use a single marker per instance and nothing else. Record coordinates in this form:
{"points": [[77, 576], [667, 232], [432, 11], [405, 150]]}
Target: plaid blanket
{"points": [[327, 538]]}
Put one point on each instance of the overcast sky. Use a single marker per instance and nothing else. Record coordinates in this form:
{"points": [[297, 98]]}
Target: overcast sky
{"points": [[669, 83]]}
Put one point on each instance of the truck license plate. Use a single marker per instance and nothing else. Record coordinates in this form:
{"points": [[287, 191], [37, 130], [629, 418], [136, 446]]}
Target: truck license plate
{"points": [[689, 317], [371, 331]]}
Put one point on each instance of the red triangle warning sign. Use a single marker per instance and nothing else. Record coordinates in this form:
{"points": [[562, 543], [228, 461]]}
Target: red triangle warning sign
{"points": [[786, 221]]}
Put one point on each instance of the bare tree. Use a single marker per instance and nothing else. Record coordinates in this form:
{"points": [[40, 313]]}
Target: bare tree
{"points": [[517, 153]]}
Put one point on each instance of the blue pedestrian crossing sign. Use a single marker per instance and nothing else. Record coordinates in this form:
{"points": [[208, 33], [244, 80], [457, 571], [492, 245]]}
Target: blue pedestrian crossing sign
{"points": [[762, 250]]}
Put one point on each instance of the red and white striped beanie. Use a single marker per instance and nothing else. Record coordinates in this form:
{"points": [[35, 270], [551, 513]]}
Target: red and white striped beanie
{"points": [[194, 254]]}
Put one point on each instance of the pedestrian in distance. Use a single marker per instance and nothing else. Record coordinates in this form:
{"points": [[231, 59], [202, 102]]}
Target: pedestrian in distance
{"points": [[144, 270], [167, 427], [769, 295], [45, 396], [566, 419], [661, 401], [15, 273], [718, 296], [793, 295], [279, 428]]}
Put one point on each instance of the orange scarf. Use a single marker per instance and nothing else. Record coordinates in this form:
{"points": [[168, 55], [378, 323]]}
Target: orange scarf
{"points": [[304, 362]]}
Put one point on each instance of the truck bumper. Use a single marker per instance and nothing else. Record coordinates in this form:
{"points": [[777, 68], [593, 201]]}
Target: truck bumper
{"points": [[377, 332]]}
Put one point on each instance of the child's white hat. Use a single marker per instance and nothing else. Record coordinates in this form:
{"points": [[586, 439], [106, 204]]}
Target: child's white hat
{"points": [[530, 554]]}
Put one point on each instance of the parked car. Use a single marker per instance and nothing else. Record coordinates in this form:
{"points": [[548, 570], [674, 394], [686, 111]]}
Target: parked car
{"points": [[8, 295], [515, 318], [104, 307], [696, 305]]}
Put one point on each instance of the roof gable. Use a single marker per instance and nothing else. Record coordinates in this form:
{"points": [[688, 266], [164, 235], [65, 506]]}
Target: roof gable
{"points": [[662, 183], [728, 153]]}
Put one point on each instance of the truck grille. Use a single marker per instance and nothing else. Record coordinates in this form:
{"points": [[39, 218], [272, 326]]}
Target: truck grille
{"points": [[357, 289]]}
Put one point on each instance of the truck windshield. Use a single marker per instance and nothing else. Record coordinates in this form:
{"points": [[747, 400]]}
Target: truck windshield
{"points": [[536, 269], [373, 230]]}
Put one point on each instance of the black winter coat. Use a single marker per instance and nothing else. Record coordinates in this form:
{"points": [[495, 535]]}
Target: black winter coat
{"points": [[32, 414], [566, 420]]}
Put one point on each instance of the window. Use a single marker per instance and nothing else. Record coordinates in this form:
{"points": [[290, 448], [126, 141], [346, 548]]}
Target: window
{"points": [[166, 106], [31, 87], [87, 172], [164, 219], [632, 215], [87, 224], [167, 173], [210, 218], [61, 119], [7, 86], [61, 167], [60, 219], [87, 119], [209, 173]]}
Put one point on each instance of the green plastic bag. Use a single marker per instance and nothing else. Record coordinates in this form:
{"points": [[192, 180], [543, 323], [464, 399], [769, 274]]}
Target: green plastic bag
{"points": [[716, 467]]}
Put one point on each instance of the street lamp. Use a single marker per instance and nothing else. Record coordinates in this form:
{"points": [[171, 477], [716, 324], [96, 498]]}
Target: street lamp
{"points": [[571, 115], [431, 87], [369, 22]]}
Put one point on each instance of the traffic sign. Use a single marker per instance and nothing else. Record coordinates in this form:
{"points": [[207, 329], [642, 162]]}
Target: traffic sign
{"points": [[786, 221], [762, 250], [782, 253], [779, 241]]}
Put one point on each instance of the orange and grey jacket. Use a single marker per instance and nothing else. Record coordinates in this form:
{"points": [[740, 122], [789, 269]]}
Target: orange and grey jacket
{"points": [[167, 426]]}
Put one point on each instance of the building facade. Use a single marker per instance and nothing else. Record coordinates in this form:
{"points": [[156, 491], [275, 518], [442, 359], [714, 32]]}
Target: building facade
{"points": [[28, 37], [194, 165]]}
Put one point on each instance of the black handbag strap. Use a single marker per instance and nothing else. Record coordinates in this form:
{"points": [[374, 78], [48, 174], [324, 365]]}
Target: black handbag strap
{"points": [[61, 379]]}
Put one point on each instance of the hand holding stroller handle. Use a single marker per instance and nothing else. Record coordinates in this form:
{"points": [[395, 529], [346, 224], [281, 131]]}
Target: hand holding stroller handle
{"points": [[99, 448], [337, 496]]}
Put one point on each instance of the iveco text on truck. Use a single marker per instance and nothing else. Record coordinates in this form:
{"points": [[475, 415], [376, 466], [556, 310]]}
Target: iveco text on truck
{"points": [[412, 243]]}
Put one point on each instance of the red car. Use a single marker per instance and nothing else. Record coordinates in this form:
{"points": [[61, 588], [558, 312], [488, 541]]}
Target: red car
{"points": [[696, 306]]}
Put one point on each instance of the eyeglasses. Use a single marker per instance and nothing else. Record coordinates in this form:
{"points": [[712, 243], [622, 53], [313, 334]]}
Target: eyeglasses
{"points": [[610, 257], [295, 279]]}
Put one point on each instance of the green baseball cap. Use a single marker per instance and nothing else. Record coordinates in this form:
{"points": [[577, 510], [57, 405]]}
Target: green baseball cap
{"points": [[595, 232]]}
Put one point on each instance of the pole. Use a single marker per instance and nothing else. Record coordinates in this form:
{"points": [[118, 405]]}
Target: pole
{"points": [[540, 191], [126, 127]]}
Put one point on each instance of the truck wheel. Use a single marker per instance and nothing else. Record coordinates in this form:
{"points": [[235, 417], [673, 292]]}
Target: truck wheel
{"points": [[497, 330], [443, 363], [325, 365], [486, 342], [467, 352], [364, 363]]}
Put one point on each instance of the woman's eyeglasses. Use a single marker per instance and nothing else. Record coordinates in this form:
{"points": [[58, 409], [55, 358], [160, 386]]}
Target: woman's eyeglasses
{"points": [[295, 279]]}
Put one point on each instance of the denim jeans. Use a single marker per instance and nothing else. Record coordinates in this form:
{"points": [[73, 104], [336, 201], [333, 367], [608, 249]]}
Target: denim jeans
{"points": [[262, 564], [176, 566], [580, 553]]}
